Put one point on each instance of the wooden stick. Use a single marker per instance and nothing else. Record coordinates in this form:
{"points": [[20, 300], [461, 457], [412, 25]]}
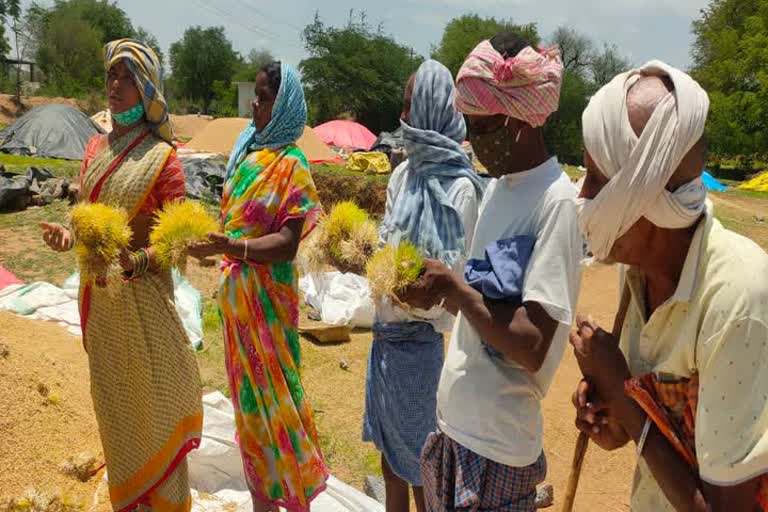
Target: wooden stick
{"points": [[582, 442]]}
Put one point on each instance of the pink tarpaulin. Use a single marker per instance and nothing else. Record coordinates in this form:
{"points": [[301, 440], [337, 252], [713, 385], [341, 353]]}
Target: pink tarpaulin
{"points": [[7, 278], [345, 134]]}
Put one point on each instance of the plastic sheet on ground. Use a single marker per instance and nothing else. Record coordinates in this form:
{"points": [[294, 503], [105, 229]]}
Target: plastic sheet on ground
{"points": [[712, 184], [386, 141], [369, 162], [17, 191], [759, 183], [205, 175], [45, 301], [49, 131], [340, 299], [216, 471], [7, 278]]}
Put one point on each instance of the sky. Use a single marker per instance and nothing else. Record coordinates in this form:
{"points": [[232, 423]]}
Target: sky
{"points": [[642, 29]]}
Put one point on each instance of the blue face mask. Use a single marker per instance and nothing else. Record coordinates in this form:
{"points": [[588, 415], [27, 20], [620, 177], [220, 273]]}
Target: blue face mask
{"points": [[130, 116]]}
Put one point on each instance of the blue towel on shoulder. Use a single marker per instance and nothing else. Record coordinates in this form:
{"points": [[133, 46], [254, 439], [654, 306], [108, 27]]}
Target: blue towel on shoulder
{"points": [[500, 275]]}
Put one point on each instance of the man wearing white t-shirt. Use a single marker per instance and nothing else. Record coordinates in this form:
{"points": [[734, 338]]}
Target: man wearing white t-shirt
{"points": [[516, 305]]}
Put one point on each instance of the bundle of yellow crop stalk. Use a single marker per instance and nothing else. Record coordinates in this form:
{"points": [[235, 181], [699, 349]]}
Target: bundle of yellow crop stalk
{"points": [[345, 238], [177, 226], [392, 269], [101, 232]]}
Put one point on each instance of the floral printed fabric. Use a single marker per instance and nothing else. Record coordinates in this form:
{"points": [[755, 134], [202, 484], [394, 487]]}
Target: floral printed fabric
{"points": [[259, 308]]}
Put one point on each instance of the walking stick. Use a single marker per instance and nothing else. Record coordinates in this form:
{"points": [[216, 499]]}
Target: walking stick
{"points": [[582, 442]]}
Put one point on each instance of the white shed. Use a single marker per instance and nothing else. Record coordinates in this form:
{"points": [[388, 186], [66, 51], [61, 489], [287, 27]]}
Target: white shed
{"points": [[245, 96]]}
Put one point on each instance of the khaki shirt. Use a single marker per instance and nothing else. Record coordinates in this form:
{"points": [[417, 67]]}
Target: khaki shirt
{"points": [[716, 324]]}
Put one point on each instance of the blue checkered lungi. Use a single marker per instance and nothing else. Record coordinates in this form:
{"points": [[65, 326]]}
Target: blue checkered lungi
{"points": [[401, 393], [456, 478]]}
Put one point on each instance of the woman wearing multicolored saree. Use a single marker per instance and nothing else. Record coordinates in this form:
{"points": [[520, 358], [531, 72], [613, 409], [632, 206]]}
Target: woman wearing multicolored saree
{"points": [[269, 204], [145, 382]]}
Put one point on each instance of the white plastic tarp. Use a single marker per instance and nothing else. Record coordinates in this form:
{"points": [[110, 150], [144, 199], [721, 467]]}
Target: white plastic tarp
{"points": [[45, 301], [216, 471], [339, 298]]}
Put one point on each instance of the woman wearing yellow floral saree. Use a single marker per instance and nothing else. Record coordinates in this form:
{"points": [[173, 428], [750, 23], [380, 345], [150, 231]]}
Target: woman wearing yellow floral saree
{"points": [[144, 379], [269, 204]]}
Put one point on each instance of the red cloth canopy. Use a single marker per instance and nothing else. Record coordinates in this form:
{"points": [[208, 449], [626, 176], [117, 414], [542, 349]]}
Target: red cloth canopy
{"points": [[345, 134]]}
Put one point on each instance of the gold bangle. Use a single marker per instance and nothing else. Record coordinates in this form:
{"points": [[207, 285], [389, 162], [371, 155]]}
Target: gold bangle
{"points": [[245, 256], [140, 261]]}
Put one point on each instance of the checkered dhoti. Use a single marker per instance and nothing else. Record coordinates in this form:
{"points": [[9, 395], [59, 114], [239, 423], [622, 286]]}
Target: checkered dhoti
{"points": [[456, 478]]}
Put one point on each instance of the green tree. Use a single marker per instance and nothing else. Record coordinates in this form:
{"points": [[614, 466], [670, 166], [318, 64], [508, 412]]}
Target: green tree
{"points": [[224, 102], [355, 70], [563, 130], [150, 40], [730, 60], [9, 8], [105, 16], [200, 58], [70, 55], [607, 64], [248, 68], [462, 34], [10, 11], [576, 49], [67, 39]]}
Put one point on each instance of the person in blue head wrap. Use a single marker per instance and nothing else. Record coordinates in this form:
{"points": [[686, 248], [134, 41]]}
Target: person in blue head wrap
{"points": [[432, 202], [269, 205]]}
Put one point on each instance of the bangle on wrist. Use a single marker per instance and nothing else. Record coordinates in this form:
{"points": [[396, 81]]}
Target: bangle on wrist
{"points": [[245, 255], [140, 264]]}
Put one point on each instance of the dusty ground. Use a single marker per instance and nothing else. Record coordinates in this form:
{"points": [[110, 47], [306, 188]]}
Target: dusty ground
{"points": [[40, 427], [41, 437]]}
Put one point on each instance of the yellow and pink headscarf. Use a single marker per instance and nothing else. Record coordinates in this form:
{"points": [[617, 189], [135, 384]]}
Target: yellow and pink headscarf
{"points": [[526, 86], [148, 75]]}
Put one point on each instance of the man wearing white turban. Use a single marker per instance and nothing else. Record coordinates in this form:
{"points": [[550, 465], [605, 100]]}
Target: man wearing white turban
{"points": [[686, 379]]}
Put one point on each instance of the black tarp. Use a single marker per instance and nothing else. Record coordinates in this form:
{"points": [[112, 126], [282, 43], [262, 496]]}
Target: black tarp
{"points": [[205, 177], [49, 131], [17, 191], [387, 141]]}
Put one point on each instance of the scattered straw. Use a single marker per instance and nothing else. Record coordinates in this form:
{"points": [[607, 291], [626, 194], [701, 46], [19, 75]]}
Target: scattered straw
{"points": [[392, 269], [178, 225], [101, 232], [43, 389], [82, 467], [48, 397], [34, 500]]}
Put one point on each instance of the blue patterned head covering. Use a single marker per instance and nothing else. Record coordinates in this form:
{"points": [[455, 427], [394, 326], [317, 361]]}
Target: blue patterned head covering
{"points": [[423, 213], [289, 117]]}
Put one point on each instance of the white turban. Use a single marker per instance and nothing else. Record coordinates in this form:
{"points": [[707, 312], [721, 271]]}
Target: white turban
{"points": [[640, 168]]}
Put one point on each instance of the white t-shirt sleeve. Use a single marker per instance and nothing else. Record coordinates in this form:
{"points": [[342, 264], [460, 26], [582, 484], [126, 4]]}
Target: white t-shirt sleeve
{"points": [[554, 271]]}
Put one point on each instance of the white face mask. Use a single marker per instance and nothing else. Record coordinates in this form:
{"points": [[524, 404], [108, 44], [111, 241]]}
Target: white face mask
{"points": [[674, 210]]}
